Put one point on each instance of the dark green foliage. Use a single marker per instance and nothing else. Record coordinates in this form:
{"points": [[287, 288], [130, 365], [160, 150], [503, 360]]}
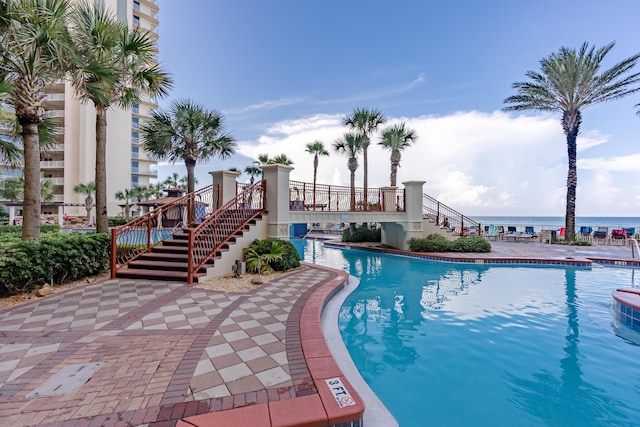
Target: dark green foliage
{"points": [[438, 243], [57, 258], [579, 242], [431, 243], [117, 222], [44, 228], [290, 259], [474, 244], [362, 234]]}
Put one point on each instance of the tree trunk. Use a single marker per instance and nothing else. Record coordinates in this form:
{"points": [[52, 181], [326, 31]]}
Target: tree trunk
{"points": [[102, 218], [365, 168], [32, 198], [191, 179], [88, 204], [353, 182], [395, 162], [315, 172], [571, 125]]}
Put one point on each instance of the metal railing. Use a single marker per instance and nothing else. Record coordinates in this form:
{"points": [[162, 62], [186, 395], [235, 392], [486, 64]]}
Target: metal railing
{"points": [[333, 198], [439, 212], [220, 227], [138, 236]]}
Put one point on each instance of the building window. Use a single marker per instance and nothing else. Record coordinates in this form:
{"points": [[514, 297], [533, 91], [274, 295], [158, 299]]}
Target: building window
{"points": [[136, 5], [136, 20], [134, 138], [135, 122], [136, 108], [134, 181], [134, 152]]}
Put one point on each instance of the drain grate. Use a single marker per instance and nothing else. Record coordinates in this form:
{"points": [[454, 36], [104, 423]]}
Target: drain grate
{"points": [[68, 380]]}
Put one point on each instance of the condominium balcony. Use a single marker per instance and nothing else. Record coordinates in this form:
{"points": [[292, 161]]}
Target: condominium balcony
{"points": [[52, 164], [54, 113], [55, 181], [144, 172], [58, 198]]}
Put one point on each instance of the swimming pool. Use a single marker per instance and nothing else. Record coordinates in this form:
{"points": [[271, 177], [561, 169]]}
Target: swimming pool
{"points": [[458, 344]]}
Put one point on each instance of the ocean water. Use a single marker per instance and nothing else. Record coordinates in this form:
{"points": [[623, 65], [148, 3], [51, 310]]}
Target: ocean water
{"points": [[555, 222]]}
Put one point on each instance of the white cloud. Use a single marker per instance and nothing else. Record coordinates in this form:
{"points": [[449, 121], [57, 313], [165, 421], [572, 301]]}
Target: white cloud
{"points": [[477, 163]]}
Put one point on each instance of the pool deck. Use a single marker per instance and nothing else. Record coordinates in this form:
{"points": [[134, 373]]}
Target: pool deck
{"points": [[174, 354]]}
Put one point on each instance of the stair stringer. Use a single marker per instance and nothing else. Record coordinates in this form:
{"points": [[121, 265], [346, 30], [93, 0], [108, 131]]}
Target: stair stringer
{"points": [[223, 265], [430, 227]]}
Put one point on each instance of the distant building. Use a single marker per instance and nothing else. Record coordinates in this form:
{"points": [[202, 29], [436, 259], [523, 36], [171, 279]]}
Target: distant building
{"points": [[72, 160]]}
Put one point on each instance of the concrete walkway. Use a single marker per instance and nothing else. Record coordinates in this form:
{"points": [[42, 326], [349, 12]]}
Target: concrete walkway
{"points": [[169, 351]]}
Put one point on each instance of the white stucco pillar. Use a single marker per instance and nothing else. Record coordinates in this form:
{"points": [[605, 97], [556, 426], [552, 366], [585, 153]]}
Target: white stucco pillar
{"points": [[277, 200], [227, 181], [397, 234], [12, 215]]}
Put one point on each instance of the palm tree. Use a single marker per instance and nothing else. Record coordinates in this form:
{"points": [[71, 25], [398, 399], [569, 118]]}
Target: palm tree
{"points": [[157, 190], [365, 122], [317, 149], [34, 53], [263, 159], [184, 181], [127, 194], [12, 189], [116, 66], [189, 132], [351, 144], [172, 180], [569, 82], [88, 190], [281, 159], [396, 138], [252, 171]]}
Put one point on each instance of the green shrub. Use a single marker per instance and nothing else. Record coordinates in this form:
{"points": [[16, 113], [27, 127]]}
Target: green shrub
{"points": [[362, 234], [17, 229], [438, 243], [474, 244], [431, 243], [117, 221], [290, 259], [56, 258]]}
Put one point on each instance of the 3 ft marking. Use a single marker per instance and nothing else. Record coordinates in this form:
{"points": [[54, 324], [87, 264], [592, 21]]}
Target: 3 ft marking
{"points": [[340, 392]]}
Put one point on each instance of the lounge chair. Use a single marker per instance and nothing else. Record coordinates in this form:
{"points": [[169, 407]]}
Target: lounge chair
{"points": [[546, 235], [510, 234], [631, 232], [601, 235], [493, 231], [561, 233], [528, 234], [585, 232], [618, 235]]}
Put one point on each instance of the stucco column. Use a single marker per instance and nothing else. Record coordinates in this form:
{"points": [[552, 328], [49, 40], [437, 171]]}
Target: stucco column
{"points": [[227, 182], [277, 200], [397, 234]]}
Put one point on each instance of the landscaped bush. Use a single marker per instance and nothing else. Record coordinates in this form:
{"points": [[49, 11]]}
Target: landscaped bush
{"points": [[438, 243], [362, 234], [17, 229], [431, 243], [290, 258], [473, 244], [117, 221], [25, 265]]}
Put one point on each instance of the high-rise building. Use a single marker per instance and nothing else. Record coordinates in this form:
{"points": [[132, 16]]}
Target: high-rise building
{"points": [[72, 159]]}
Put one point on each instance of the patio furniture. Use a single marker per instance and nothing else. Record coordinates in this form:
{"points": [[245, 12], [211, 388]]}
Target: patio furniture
{"points": [[546, 235], [601, 235]]}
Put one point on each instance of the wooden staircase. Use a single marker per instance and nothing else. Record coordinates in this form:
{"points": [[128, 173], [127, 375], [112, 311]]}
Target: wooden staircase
{"points": [[169, 261]]}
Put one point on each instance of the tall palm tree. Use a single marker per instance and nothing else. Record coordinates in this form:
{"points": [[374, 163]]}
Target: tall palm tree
{"points": [[396, 138], [252, 171], [127, 194], [365, 122], [172, 180], [281, 159], [350, 144], [116, 66], [571, 80], [34, 53], [317, 149], [156, 190], [13, 189], [88, 190], [189, 132]]}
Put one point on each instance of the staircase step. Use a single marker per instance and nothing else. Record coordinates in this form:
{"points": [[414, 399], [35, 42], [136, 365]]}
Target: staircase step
{"points": [[140, 264], [135, 273]]}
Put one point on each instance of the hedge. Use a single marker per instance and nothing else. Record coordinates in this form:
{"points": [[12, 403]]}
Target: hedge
{"points": [[438, 243], [17, 229], [58, 258]]}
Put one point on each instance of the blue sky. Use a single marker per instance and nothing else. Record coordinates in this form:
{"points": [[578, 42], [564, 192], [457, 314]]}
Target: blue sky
{"points": [[285, 72]]}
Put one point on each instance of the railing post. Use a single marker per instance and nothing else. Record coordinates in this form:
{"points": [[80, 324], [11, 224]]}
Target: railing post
{"points": [[190, 256], [438, 213], [149, 223], [114, 253]]}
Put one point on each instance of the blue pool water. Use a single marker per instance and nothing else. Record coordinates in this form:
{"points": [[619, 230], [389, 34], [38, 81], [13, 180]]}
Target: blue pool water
{"points": [[449, 344]]}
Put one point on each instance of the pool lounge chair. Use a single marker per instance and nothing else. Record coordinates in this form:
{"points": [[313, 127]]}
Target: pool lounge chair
{"points": [[618, 235], [546, 235], [585, 233], [493, 232], [510, 234], [601, 235]]}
